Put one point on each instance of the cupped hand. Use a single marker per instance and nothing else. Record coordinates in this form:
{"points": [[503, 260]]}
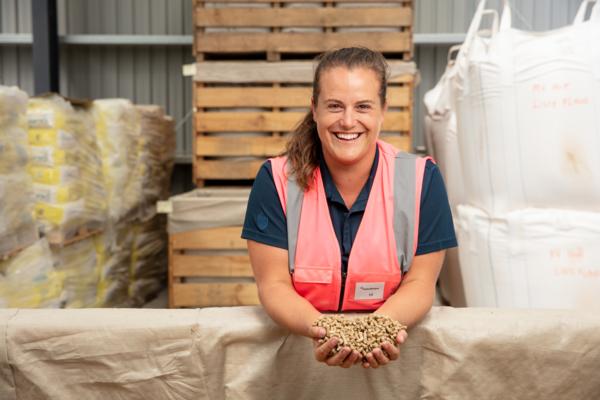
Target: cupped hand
{"points": [[386, 353], [345, 358]]}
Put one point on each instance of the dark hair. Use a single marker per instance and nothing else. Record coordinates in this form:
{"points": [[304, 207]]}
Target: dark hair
{"points": [[302, 149]]}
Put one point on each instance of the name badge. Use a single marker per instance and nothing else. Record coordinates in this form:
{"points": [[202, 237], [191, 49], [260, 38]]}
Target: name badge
{"points": [[369, 291]]}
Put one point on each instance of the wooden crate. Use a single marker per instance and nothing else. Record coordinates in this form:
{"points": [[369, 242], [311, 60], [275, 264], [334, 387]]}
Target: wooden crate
{"points": [[282, 29], [210, 267], [245, 110], [208, 261]]}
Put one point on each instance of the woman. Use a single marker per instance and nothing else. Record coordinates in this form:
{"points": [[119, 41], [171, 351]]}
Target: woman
{"points": [[334, 225]]}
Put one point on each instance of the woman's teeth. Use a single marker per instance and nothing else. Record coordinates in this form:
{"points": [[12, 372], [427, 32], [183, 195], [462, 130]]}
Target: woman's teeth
{"points": [[347, 136]]}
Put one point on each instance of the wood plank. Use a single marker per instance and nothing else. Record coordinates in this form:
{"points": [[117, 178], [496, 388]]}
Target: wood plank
{"points": [[304, 17], [253, 97], [214, 294], [240, 146], [277, 121], [227, 238], [294, 42], [277, 97], [247, 121], [217, 169], [281, 72], [401, 142], [191, 265]]}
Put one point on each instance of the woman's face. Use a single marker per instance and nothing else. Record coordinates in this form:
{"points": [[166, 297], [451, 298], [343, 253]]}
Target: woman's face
{"points": [[349, 115]]}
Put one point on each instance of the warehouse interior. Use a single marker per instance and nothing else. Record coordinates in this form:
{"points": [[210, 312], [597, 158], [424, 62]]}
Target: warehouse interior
{"points": [[131, 133]]}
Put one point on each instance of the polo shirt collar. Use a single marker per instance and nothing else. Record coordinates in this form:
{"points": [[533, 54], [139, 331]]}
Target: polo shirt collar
{"points": [[332, 193]]}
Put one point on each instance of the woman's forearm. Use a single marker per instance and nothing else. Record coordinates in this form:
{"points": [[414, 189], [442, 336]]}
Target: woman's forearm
{"points": [[288, 308], [410, 303], [414, 298]]}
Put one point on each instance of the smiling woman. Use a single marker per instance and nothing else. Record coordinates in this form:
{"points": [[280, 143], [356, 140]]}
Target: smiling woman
{"points": [[343, 221]]}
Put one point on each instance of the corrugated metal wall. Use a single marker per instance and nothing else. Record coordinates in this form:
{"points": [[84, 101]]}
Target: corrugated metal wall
{"points": [[152, 74]]}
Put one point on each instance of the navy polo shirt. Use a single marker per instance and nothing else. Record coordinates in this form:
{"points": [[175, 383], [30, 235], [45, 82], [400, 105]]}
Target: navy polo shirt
{"points": [[265, 220]]}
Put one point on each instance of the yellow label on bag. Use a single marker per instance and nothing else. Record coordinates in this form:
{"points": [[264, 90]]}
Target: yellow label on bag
{"points": [[50, 156], [59, 214], [54, 175], [52, 137], [41, 118], [56, 194]]}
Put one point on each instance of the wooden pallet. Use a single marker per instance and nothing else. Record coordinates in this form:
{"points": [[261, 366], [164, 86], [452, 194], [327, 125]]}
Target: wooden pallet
{"points": [[245, 109], [61, 239], [280, 29], [210, 267]]}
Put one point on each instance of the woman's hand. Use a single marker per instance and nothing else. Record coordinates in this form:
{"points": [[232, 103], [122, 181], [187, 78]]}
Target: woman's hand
{"points": [[386, 353], [345, 358]]}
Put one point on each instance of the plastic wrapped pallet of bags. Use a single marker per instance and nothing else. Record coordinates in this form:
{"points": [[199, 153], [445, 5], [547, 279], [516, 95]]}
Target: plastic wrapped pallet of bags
{"points": [[148, 271], [113, 250], [17, 226], [118, 131], [538, 258], [524, 99], [157, 156], [77, 263], [65, 167], [29, 279]]}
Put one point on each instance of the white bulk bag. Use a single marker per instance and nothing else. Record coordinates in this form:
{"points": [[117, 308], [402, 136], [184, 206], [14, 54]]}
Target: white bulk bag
{"points": [[531, 258], [441, 133], [528, 109], [442, 144]]}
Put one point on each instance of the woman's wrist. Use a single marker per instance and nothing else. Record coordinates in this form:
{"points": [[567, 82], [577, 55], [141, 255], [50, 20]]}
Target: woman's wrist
{"points": [[310, 323]]}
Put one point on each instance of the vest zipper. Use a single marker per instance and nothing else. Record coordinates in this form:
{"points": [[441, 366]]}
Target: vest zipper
{"points": [[342, 291]]}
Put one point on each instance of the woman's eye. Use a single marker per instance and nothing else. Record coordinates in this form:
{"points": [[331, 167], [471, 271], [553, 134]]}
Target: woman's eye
{"points": [[364, 107], [334, 107]]}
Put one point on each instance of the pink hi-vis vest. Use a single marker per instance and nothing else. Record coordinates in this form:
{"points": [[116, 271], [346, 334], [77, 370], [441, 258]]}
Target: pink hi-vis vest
{"points": [[384, 245]]}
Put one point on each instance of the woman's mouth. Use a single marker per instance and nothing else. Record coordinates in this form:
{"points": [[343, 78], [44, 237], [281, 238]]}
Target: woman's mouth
{"points": [[347, 136]]}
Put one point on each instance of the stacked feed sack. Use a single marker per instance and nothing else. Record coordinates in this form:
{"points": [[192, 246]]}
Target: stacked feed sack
{"points": [[118, 132], [113, 251], [118, 129], [148, 264], [77, 264], [156, 156], [528, 130], [17, 226], [65, 167], [29, 279]]}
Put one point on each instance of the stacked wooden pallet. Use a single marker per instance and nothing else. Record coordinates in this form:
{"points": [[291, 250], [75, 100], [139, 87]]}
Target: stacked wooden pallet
{"points": [[252, 86]]}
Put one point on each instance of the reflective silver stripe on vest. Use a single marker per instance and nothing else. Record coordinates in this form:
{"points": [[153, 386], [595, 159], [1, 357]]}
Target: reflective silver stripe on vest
{"points": [[404, 211], [295, 195], [404, 207]]}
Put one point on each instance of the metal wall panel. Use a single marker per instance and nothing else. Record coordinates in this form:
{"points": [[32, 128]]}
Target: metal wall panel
{"points": [[454, 16], [145, 17], [15, 16]]}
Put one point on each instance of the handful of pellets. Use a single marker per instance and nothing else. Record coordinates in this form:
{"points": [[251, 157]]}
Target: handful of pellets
{"points": [[362, 334]]}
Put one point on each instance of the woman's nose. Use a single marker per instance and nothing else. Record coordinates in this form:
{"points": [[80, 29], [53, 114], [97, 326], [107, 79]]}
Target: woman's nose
{"points": [[348, 119]]}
